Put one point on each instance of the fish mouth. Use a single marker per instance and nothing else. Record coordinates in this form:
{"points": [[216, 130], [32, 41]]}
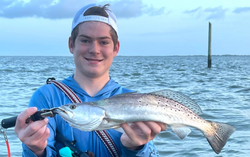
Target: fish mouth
{"points": [[64, 112]]}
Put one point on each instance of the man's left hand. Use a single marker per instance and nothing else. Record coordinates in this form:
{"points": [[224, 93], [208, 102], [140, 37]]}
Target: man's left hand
{"points": [[139, 133]]}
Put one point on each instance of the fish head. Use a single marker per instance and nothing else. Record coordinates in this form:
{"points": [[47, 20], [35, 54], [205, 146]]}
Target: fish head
{"points": [[82, 116]]}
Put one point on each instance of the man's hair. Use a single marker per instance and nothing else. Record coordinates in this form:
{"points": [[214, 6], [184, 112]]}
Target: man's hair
{"points": [[95, 11]]}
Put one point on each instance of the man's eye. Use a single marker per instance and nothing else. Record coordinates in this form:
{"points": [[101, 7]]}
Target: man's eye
{"points": [[85, 41], [104, 42]]}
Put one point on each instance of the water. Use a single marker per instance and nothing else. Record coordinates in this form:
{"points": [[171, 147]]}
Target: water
{"points": [[223, 93]]}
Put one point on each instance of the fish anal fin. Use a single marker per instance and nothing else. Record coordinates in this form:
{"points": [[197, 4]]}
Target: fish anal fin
{"points": [[181, 131]]}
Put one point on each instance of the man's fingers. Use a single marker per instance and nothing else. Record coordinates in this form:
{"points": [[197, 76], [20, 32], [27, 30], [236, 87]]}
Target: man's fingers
{"points": [[140, 133], [155, 128], [40, 136], [130, 138], [130, 133], [38, 145], [35, 128], [21, 119], [163, 126], [144, 127], [25, 114]]}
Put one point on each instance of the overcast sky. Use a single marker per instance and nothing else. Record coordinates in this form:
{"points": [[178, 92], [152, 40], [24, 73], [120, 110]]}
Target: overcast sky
{"points": [[146, 27]]}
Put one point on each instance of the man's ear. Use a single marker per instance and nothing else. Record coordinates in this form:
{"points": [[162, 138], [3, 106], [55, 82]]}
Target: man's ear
{"points": [[70, 45], [116, 48]]}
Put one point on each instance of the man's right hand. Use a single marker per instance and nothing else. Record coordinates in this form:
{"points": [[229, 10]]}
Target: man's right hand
{"points": [[34, 134]]}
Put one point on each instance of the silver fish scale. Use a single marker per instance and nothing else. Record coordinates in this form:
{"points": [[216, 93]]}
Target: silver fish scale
{"points": [[175, 107], [139, 107], [181, 98]]}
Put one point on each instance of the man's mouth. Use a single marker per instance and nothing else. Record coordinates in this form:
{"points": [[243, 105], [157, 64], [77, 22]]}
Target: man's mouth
{"points": [[93, 59]]}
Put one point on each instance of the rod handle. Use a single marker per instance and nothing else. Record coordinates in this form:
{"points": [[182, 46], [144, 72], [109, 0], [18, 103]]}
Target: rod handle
{"points": [[8, 122], [11, 122]]}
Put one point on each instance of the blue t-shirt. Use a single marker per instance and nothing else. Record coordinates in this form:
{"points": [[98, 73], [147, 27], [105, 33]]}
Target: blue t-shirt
{"points": [[49, 96]]}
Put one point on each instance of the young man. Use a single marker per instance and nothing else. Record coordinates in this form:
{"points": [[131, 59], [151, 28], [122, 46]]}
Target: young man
{"points": [[93, 43]]}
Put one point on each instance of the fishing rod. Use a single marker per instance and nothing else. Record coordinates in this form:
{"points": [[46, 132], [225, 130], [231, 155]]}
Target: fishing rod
{"points": [[11, 122], [40, 115]]}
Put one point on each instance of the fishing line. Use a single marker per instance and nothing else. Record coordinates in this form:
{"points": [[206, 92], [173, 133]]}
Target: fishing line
{"points": [[7, 142]]}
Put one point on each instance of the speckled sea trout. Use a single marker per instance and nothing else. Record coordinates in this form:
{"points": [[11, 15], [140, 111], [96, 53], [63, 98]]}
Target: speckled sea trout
{"points": [[165, 106]]}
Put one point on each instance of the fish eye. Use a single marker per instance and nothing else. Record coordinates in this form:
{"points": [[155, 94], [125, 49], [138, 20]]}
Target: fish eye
{"points": [[72, 107]]}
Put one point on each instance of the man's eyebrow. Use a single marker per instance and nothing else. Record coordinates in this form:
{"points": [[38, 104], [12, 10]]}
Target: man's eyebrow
{"points": [[105, 37], [85, 36]]}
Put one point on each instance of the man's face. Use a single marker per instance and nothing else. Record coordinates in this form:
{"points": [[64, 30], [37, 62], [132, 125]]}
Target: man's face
{"points": [[93, 50]]}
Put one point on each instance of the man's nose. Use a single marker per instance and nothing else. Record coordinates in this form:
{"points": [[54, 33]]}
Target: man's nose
{"points": [[94, 47]]}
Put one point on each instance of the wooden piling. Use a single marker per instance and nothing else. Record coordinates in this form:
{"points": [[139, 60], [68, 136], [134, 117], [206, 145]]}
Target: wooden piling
{"points": [[209, 45]]}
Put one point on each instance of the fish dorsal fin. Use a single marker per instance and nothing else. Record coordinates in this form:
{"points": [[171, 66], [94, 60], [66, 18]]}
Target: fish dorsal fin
{"points": [[180, 98]]}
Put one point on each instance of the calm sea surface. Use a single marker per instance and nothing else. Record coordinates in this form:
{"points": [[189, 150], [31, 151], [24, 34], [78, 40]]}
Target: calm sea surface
{"points": [[223, 93]]}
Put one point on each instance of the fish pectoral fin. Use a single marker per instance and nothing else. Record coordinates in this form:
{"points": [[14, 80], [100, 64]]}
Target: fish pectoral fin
{"points": [[181, 131], [117, 121], [120, 129]]}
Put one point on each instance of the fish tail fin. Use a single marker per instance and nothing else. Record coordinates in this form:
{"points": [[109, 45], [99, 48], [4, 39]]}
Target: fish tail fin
{"points": [[219, 136]]}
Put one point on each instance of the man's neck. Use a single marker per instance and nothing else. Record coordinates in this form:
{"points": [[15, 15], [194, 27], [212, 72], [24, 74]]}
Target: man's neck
{"points": [[91, 85]]}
